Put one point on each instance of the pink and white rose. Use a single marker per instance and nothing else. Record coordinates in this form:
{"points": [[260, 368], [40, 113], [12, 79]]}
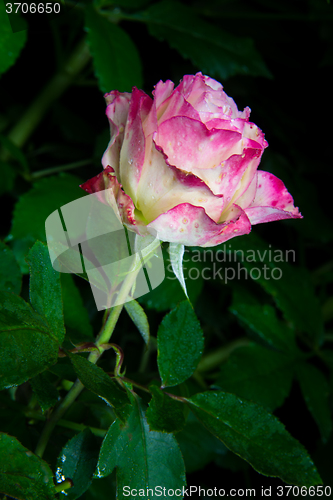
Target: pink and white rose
{"points": [[184, 165]]}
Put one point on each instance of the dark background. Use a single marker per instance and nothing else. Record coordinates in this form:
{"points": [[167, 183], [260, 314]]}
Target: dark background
{"points": [[293, 108]]}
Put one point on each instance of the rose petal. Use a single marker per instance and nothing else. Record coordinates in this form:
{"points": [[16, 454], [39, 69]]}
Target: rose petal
{"points": [[120, 202], [249, 194], [116, 111], [162, 187], [132, 154], [162, 91], [229, 177], [272, 201], [191, 226], [176, 105], [208, 98], [187, 142], [253, 136]]}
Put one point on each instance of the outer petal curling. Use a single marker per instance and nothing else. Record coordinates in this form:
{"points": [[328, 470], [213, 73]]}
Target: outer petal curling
{"points": [[227, 176], [120, 202], [191, 226], [117, 112], [272, 201]]}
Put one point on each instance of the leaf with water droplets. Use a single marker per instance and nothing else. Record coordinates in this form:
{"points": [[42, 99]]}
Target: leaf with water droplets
{"points": [[46, 393], [23, 475], [26, 346], [96, 380], [143, 458], [164, 414], [77, 461], [258, 437], [45, 290], [180, 345]]}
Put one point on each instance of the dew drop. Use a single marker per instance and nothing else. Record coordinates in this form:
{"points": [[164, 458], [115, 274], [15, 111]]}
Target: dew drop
{"points": [[196, 225], [130, 161]]}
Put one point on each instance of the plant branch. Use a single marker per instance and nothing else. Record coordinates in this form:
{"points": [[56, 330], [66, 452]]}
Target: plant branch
{"points": [[60, 168], [34, 415], [52, 91]]}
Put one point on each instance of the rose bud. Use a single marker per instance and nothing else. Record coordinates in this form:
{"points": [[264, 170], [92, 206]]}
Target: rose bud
{"points": [[184, 165]]}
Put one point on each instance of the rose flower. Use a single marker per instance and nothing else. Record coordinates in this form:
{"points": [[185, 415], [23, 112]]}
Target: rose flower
{"points": [[184, 165]]}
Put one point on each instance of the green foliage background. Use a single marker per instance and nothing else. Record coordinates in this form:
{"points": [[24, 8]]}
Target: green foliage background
{"points": [[234, 389]]}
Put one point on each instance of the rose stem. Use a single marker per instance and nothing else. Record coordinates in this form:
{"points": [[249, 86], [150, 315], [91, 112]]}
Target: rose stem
{"points": [[102, 338]]}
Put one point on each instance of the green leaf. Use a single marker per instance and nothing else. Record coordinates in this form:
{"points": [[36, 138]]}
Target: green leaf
{"points": [[169, 293], [257, 436], [47, 394], [11, 43], [262, 320], [77, 461], [34, 207], [316, 392], [139, 318], [22, 474], [164, 413], [96, 380], [45, 290], [176, 252], [214, 51], [257, 374], [75, 314], [144, 458], [293, 292], [10, 273], [116, 58], [198, 446], [180, 345], [27, 345]]}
